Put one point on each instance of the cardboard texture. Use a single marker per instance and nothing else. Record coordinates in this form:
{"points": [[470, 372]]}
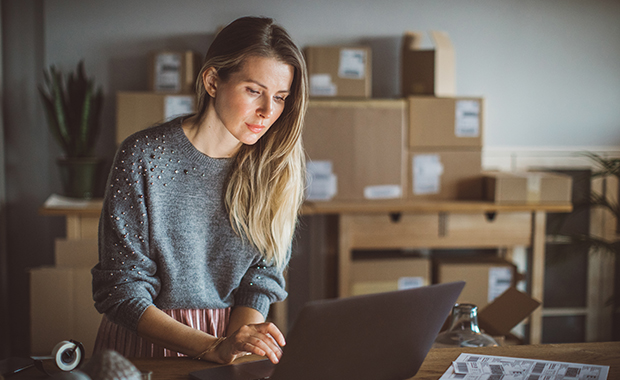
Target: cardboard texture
{"points": [[72, 253], [445, 123], [506, 312], [427, 71], [173, 71], [527, 187], [361, 143], [339, 71], [486, 277], [444, 175], [384, 275], [138, 110], [61, 308]]}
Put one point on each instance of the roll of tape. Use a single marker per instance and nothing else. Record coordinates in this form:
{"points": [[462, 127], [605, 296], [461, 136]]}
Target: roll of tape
{"points": [[67, 355]]}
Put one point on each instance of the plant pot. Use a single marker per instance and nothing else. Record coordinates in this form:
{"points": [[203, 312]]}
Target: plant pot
{"points": [[79, 176]]}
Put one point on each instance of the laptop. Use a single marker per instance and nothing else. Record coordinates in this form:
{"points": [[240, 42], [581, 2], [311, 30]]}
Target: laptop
{"points": [[374, 337]]}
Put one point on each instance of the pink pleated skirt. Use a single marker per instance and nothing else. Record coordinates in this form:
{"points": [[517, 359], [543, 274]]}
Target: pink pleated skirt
{"points": [[129, 344]]}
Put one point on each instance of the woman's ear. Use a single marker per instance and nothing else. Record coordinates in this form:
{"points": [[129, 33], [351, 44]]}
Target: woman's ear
{"points": [[209, 80]]}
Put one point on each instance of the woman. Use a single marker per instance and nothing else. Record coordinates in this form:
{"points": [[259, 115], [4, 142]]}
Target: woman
{"points": [[200, 212]]}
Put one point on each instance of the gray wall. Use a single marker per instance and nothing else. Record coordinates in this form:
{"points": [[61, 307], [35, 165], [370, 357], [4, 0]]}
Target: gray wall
{"points": [[549, 70]]}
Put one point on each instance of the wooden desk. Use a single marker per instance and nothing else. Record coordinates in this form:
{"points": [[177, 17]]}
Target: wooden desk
{"points": [[436, 363], [407, 224]]}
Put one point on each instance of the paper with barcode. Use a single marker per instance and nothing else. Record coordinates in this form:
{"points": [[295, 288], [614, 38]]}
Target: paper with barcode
{"points": [[486, 367]]}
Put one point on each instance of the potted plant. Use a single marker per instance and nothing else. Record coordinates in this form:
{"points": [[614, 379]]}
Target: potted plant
{"points": [[73, 111]]}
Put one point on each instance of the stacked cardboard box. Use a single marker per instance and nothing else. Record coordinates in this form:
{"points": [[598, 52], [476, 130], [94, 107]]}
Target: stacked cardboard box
{"points": [[61, 300], [527, 187], [339, 71], [173, 71], [389, 274], [356, 149]]}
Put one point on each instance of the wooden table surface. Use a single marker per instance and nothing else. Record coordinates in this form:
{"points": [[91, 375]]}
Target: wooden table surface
{"points": [[436, 363], [438, 360]]}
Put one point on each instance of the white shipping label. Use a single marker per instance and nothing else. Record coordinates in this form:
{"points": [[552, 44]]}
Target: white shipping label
{"points": [[322, 183], [467, 120], [410, 282], [177, 105], [322, 85], [427, 171], [500, 279], [168, 72], [533, 187], [352, 64], [383, 192]]}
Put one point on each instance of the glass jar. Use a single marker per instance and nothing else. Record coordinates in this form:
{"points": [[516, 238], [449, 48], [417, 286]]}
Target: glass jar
{"points": [[464, 330]]}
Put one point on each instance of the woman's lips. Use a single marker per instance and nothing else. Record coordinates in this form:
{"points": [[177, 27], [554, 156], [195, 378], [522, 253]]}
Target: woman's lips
{"points": [[255, 128]]}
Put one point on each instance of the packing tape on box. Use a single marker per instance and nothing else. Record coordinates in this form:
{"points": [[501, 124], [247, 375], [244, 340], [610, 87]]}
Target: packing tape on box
{"points": [[66, 356]]}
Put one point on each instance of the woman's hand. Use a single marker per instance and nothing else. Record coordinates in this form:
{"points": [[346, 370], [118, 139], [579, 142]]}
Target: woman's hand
{"points": [[263, 339]]}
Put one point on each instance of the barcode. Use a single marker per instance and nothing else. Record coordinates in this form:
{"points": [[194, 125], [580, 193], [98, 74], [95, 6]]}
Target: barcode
{"points": [[572, 372], [461, 367], [496, 369], [533, 377]]}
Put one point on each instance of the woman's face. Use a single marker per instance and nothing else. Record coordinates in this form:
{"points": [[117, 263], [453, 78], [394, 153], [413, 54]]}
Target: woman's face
{"points": [[253, 98]]}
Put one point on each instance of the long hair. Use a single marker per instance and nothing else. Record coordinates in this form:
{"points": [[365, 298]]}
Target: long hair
{"points": [[264, 191]]}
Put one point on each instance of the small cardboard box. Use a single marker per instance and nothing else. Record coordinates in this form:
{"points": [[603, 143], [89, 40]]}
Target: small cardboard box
{"points": [[339, 71], [355, 149], [444, 175], [427, 71], [384, 275], [76, 253], [527, 187], [485, 278], [174, 71], [138, 110], [61, 308], [455, 123]]}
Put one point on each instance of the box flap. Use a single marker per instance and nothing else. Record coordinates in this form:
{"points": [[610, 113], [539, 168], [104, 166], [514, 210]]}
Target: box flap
{"points": [[412, 40], [506, 311], [441, 40]]}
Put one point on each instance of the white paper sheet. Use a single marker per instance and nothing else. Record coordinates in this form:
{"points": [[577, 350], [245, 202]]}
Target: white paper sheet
{"points": [[487, 367]]}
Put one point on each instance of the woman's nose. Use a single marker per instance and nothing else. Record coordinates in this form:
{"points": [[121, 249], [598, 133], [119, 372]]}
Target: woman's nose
{"points": [[265, 110]]}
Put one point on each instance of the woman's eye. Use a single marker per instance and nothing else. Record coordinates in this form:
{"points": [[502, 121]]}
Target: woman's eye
{"points": [[280, 98], [252, 91]]}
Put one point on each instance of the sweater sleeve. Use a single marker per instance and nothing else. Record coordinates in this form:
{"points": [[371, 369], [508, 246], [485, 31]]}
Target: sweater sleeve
{"points": [[262, 285], [125, 280]]}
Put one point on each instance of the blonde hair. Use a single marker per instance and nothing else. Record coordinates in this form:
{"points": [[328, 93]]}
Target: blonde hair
{"points": [[264, 191]]}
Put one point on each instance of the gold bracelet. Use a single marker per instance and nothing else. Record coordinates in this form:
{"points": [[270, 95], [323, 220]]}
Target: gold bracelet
{"points": [[211, 348]]}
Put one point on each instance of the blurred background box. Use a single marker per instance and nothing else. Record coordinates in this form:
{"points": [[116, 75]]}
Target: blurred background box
{"points": [[139, 110], [174, 71], [339, 71], [383, 275], [444, 174], [486, 277], [362, 143], [527, 187], [427, 71], [455, 122]]}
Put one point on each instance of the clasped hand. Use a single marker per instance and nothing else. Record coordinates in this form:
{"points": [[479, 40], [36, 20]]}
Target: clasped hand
{"points": [[263, 339]]}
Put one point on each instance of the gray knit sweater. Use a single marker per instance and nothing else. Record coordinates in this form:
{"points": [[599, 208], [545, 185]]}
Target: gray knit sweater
{"points": [[165, 237]]}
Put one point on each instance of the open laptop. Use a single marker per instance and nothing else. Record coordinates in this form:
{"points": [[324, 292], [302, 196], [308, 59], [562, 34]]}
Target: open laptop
{"points": [[374, 337]]}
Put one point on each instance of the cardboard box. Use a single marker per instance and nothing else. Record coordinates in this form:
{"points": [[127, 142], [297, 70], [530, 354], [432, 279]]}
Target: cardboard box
{"points": [[444, 175], [527, 187], [445, 122], [384, 275], [174, 71], [339, 71], [138, 110], [485, 277], [427, 71], [74, 253], [355, 149], [61, 308]]}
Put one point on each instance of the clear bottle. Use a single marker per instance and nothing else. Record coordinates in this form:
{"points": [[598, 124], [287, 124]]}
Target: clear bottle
{"points": [[464, 330]]}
